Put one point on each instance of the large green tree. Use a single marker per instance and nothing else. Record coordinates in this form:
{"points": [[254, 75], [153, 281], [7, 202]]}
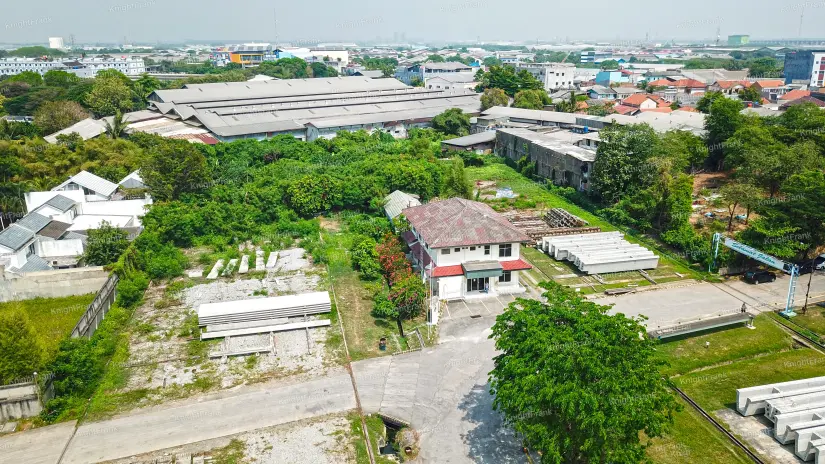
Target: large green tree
{"points": [[21, 353], [722, 121], [57, 115], [622, 166], [174, 168], [493, 97], [452, 122], [109, 95], [531, 99], [578, 384]]}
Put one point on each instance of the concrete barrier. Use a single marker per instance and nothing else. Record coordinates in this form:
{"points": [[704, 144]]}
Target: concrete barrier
{"points": [[752, 400]]}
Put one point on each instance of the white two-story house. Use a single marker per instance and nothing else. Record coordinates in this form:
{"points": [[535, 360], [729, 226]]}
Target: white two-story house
{"points": [[465, 248]]}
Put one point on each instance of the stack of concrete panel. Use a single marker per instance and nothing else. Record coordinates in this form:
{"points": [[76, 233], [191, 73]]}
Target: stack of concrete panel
{"points": [[600, 253], [797, 410], [264, 309]]}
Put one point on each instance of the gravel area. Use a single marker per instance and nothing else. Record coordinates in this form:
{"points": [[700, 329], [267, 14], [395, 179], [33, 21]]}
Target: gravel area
{"points": [[162, 354], [321, 440]]}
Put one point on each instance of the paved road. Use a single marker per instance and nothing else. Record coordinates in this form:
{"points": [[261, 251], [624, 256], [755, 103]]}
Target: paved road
{"points": [[38, 446]]}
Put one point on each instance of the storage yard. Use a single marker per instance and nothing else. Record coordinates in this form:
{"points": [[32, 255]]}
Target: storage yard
{"points": [[600, 253]]}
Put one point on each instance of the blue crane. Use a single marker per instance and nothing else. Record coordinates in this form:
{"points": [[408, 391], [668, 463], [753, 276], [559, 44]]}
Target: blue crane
{"points": [[765, 258]]}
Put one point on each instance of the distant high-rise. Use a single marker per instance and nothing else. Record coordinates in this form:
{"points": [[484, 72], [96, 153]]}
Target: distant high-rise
{"points": [[735, 40], [56, 42]]}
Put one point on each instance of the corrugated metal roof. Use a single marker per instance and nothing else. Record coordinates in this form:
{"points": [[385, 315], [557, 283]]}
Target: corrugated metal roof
{"points": [[538, 115], [15, 237], [460, 222], [33, 221], [226, 91], [90, 181], [86, 129], [395, 202], [552, 143], [472, 139]]}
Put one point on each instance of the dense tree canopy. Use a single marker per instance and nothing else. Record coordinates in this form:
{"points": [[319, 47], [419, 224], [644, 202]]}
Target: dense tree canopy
{"points": [[579, 385]]}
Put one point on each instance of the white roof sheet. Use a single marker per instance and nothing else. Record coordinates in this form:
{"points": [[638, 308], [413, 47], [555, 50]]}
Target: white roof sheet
{"points": [[90, 181]]}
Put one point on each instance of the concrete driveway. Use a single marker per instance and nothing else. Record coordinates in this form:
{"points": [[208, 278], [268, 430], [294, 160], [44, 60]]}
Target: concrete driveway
{"points": [[443, 392]]}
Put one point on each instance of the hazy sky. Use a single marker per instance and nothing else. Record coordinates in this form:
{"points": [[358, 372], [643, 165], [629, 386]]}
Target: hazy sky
{"points": [[431, 20]]}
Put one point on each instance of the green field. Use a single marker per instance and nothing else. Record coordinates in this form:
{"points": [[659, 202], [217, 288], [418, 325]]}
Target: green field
{"points": [[728, 344], [692, 439], [814, 320], [715, 388], [52, 318]]}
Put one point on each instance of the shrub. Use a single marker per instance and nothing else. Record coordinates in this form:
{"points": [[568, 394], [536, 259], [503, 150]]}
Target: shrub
{"points": [[130, 289]]}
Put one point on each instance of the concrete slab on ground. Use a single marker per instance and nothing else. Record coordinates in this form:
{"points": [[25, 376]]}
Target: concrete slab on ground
{"points": [[259, 260], [244, 265], [38, 446], [668, 306], [272, 260], [758, 432]]}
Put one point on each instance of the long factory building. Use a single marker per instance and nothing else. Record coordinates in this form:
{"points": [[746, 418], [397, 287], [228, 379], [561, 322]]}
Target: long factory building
{"points": [[309, 108]]}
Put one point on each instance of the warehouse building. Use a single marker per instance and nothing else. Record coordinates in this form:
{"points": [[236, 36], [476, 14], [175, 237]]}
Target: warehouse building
{"points": [[309, 109], [562, 163]]}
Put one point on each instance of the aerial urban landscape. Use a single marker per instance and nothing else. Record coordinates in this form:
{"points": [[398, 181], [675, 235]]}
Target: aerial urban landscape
{"points": [[361, 233]]}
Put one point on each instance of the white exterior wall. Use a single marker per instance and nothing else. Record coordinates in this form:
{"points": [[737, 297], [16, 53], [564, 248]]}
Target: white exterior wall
{"points": [[48, 249], [35, 199], [128, 66], [15, 258], [450, 287], [465, 254]]}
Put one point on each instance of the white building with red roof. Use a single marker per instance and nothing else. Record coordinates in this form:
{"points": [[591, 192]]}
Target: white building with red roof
{"points": [[465, 248]]}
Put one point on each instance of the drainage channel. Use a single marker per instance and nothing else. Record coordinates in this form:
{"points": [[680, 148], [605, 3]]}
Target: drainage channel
{"points": [[719, 426]]}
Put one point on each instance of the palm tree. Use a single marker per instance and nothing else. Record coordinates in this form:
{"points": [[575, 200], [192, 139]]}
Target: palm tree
{"points": [[117, 127]]}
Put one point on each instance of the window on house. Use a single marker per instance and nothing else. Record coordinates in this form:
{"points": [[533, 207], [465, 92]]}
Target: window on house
{"points": [[507, 276], [445, 251], [505, 251], [457, 250], [472, 248], [486, 249]]}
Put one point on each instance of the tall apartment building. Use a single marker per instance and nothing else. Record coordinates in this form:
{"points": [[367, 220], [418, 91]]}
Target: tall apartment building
{"points": [[82, 67], [805, 65], [554, 76]]}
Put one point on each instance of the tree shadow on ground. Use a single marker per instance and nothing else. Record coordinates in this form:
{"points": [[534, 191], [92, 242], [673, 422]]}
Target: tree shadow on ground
{"points": [[490, 440]]}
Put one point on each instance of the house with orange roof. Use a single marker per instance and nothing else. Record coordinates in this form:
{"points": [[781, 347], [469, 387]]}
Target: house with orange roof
{"points": [[795, 94], [729, 87], [689, 86], [771, 89], [645, 101]]}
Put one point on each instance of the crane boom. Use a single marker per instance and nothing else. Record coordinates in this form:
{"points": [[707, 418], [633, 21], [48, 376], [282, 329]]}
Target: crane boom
{"points": [[764, 258]]}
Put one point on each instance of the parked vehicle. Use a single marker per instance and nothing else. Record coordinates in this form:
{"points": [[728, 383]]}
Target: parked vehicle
{"points": [[759, 277], [807, 267]]}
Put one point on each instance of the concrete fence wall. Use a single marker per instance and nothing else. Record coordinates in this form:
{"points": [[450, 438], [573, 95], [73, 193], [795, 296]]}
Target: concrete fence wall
{"points": [[51, 284], [22, 400], [96, 311]]}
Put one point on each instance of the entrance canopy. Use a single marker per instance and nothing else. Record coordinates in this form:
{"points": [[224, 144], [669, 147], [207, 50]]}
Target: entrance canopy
{"points": [[481, 269]]}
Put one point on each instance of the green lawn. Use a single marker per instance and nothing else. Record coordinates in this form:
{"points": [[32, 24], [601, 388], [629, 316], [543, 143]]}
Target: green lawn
{"points": [[692, 439], [814, 320], [727, 344], [715, 388], [52, 318]]}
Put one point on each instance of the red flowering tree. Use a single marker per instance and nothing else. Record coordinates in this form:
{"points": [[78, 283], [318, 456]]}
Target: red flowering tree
{"points": [[394, 263]]}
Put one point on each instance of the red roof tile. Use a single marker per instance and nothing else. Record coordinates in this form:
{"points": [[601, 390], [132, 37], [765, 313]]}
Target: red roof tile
{"points": [[623, 109], [729, 84], [795, 94], [637, 99], [770, 83], [446, 271], [459, 222], [515, 265]]}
